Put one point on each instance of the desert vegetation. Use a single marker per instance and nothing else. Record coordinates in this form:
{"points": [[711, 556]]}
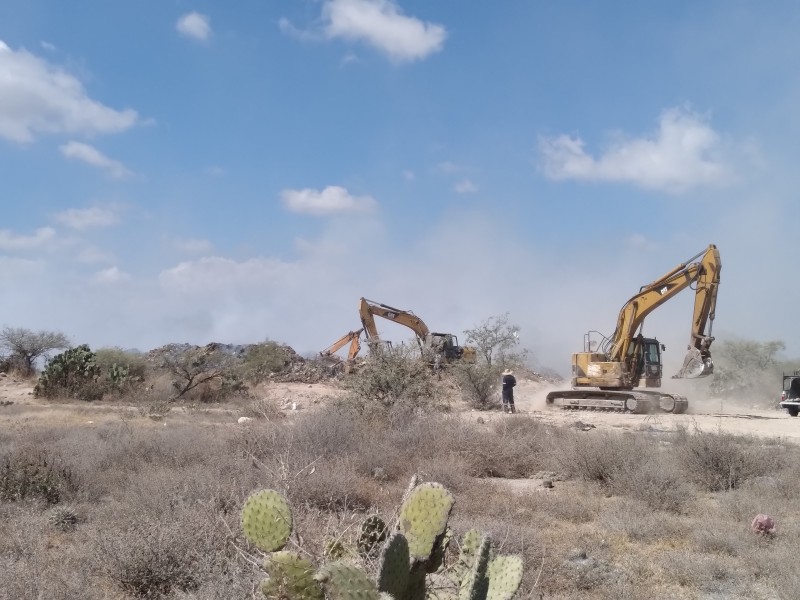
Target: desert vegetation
{"points": [[147, 503]]}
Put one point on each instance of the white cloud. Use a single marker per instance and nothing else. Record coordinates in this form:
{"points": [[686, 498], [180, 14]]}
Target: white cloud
{"points": [[39, 98], [212, 275], [19, 268], [382, 25], [330, 201], [92, 156], [110, 276], [685, 152], [194, 25], [408, 175], [11, 241], [88, 218], [286, 26], [465, 186]]}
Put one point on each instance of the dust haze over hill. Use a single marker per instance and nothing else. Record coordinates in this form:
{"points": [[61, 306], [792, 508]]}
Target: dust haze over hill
{"points": [[555, 292]]}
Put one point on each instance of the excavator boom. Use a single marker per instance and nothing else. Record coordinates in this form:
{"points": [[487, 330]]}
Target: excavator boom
{"points": [[436, 347], [367, 310], [351, 337], [704, 275]]}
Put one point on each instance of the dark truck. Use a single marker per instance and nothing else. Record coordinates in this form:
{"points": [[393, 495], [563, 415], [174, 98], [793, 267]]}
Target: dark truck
{"points": [[790, 396]]}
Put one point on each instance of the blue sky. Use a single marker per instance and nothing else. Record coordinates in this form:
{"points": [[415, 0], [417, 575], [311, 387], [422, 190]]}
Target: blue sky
{"points": [[206, 171]]}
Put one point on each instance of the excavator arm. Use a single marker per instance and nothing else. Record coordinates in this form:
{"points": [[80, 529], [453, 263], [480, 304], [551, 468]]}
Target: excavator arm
{"points": [[435, 347], [368, 310], [351, 337], [703, 274]]}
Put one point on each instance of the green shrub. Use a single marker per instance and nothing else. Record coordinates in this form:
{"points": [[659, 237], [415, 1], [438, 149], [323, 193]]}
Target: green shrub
{"points": [[478, 383], [391, 380], [73, 373], [122, 370], [264, 359]]}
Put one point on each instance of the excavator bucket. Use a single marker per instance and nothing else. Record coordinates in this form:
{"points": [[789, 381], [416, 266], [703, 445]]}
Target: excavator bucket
{"points": [[695, 366]]}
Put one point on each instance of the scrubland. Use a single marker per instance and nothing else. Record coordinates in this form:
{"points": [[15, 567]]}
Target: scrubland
{"points": [[147, 506]]}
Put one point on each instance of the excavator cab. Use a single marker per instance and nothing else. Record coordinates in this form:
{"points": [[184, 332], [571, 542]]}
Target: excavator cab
{"points": [[446, 344], [650, 362]]}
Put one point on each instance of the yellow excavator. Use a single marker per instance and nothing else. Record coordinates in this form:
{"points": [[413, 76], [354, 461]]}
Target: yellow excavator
{"points": [[605, 374], [351, 337], [437, 348]]}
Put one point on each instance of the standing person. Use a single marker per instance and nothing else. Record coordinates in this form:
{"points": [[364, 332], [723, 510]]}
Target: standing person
{"points": [[509, 381]]}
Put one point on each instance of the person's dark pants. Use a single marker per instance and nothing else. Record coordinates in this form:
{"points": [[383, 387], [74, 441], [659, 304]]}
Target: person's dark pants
{"points": [[508, 402]]}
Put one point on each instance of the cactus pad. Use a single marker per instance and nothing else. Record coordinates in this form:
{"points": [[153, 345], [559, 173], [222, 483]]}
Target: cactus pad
{"points": [[290, 576], [373, 532], [423, 518], [474, 586], [436, 560], [267, 520], [394, 566], [466, 556], [505, 575], [343, 581]]}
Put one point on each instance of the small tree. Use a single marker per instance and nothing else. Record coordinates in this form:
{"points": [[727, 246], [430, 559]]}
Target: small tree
{"points": [[391, 379], [478, 383], [497, 340], [497, 344], [192, 368], [25, 345]]}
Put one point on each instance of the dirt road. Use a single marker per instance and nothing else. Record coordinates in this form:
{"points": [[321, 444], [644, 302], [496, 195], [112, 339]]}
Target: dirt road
{"points": [[704, 414], [18, 407]]}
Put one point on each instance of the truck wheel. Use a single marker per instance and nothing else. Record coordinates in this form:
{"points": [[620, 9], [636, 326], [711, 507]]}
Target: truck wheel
{"points": [[793, 410]]}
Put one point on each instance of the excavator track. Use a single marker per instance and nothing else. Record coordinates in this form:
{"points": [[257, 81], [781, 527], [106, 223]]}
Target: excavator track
{"points": [[635, 402]]}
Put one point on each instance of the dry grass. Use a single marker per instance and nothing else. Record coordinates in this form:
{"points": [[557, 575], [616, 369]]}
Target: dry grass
{"points": [[145, 510]]}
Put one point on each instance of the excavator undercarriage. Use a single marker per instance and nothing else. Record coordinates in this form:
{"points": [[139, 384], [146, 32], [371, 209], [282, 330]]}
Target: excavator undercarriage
{"points": [[637, 402]]}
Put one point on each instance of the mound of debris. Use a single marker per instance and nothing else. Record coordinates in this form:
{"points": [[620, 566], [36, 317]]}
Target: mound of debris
{"points": [[543, 375]]}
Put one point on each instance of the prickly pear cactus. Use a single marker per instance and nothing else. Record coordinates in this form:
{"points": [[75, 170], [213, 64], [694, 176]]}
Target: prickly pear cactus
{"points": [[475, 585], [505, 576], [470, 544], [410, 565], [267, 520], [423, 518], [290, 576], [373, 532], [343, 581], [436, 560], [394, 566]]}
